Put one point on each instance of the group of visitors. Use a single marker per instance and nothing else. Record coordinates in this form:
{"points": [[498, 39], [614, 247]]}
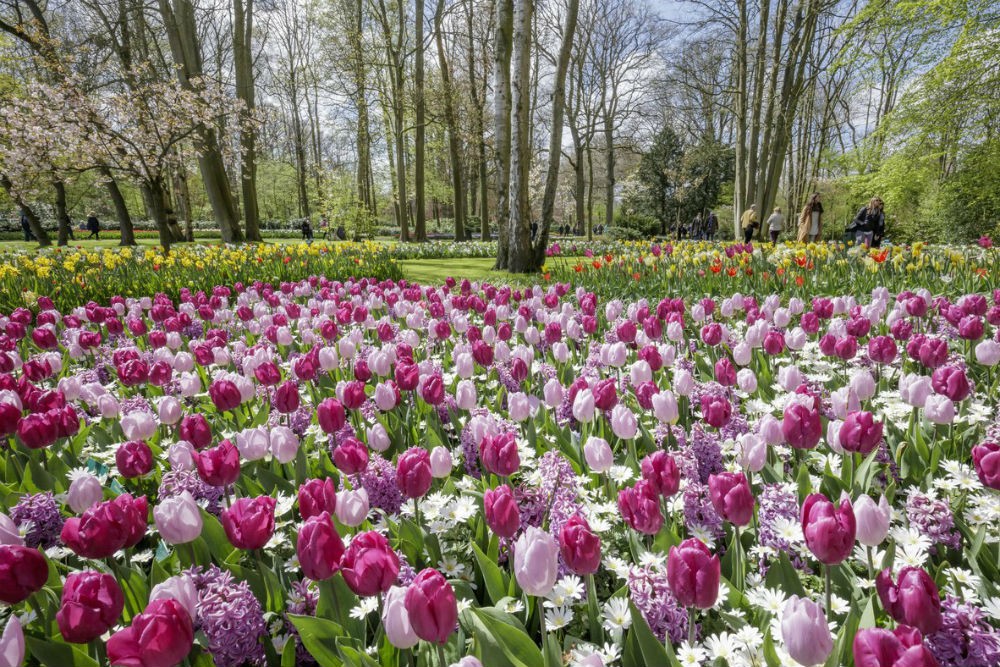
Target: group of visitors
{"points": [[867, 227], [93, 226], [704, 229]]}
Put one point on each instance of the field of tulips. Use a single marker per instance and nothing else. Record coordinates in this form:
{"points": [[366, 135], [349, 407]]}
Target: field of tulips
{"points": [[791, 269], [343, 472], [73, 276]]}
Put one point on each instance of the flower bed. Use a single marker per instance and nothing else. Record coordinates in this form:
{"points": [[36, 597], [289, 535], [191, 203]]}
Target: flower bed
{"points": [[791, 269], [373, 473], [71, 276]]}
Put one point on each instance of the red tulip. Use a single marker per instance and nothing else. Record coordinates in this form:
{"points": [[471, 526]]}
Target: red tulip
{"points": [[801, 426], [249, 523], [134, 459], [23, 571], [829, 531], [195, 429], [860, 433], [579, 546], [317, 496], [331, 415], [91, 605], [661, 471], [693, 574], [502, 513], [319, 547], [640, 507], [161, 636], [431, 605], [986, 458], [350, 456], [499, 454], [912, 600], [369, 566], [877, 647], [731, 496], [413, 472], [219, 466]]}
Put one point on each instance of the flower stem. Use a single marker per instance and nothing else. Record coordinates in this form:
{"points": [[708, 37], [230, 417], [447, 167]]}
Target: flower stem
{"points": [[829, 584], [596, 631], [691, 627]]}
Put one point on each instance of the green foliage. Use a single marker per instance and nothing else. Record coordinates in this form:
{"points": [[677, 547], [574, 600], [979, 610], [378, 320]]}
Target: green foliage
{"points": [[675, 182], [634, 226]]}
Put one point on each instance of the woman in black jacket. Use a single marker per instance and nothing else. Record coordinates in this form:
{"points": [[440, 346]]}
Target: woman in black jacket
{"points": [[869, 224]]}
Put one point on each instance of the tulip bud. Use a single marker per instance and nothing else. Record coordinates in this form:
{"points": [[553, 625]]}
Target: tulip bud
{"points": [[805, 631], [536, 561]]}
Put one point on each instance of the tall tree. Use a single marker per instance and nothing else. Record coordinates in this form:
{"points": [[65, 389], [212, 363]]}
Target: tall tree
{"points": [[555, 138], [520, 256], [454, 141], [245, 92], [182, 33]]}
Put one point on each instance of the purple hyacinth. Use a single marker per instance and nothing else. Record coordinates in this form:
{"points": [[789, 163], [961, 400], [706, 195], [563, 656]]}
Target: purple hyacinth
{"points": [[699, 511], [706, 449], [651, 595], [933, 518], [138, 403], [40, 513], [379, 480], [778, 502], [965, 639], [176, 482], [231, 618]]}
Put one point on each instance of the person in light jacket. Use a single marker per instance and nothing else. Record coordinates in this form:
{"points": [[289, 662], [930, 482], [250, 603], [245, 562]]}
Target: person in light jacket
{"points": [[811, 221], [775, 224]]}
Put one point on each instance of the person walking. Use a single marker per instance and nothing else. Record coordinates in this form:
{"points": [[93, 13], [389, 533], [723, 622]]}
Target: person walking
{"points": [[26, 227], [711, 226], [775, 224], [93, 226], [811, 220], [307, 231], [869, 222], [696, 228], [749, 222]]}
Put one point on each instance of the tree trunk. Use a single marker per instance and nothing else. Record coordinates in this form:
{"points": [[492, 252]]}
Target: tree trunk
{"points": [[502, 120], [121, 208], [33, 222], [555, 139], [454, 144], [420, 213], [740, 189], [243, 67], [62, 213], [609, 168], [364, 169], [298, 141], [520, 259], [182, 33], [183, 197], [153, 194]]}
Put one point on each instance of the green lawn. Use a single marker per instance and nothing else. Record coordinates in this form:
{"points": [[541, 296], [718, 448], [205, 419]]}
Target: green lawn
{"points": [[434, 271]]}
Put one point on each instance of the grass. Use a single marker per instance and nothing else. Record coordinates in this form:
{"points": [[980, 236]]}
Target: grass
{"points": [[434, 271]]}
